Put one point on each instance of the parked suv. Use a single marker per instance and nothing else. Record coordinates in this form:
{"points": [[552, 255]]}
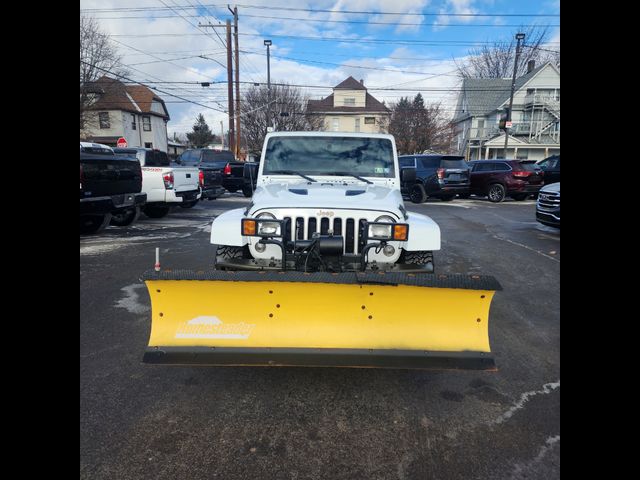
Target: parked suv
{"points": [[551, 168], [548, 205], [498, 179], [440, 176]]}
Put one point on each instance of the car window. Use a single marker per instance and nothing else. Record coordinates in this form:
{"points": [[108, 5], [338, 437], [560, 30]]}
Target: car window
{"points": [[430, 162], [528, 166], [501, 167], [483, 167], [407, 161], [190, 157], [210, 156], [453, 163], [156, 158], [552, 163]]}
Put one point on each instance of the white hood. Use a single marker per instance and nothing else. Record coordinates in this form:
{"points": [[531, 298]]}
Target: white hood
{"points": [[326, 196]]}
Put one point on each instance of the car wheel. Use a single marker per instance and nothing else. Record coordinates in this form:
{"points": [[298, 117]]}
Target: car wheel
{"points": [[496, 193], [232, 190], [247, 191], [188, 204], [94, 223], [227, 252], [520, 196], [155, 212], [126, 217], [447, 198], [423, 258], [418, 194]]}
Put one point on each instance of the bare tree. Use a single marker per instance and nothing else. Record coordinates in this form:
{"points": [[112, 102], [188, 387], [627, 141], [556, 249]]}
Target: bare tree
{"points": [[496, 60], [286, 112], [418, 127], [97, 58]]}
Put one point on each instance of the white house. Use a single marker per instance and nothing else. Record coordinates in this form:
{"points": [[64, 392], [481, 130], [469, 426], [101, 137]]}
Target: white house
{"points": [[131, 111], [535, 132], [350, 108]]}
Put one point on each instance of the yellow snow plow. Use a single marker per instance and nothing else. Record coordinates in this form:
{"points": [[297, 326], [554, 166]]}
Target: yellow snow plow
{"points": [[394, 320]]}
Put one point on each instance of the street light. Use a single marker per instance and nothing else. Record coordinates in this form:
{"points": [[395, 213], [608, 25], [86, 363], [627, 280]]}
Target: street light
{"points": [[519, 36], [268, 43]]}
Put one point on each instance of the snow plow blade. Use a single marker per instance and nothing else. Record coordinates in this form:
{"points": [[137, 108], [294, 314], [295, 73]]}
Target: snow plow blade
{"points": [[391, 320]]}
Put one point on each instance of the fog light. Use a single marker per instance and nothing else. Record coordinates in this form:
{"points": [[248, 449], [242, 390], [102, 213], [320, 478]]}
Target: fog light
{"points": [[260, 247], [389, 250]]}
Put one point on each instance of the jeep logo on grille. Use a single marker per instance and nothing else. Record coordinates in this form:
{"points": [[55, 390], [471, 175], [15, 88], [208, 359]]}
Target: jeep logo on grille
{"points": [[544, 197], [325, 213]]}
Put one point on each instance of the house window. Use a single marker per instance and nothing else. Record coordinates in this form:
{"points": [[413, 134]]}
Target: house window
{"points": [[104, 119], [369, 120], [148, 145], [146, 123], [350, 101], [357, 125], [133, 121], [336, 125], [481, 128], [523, 154]]}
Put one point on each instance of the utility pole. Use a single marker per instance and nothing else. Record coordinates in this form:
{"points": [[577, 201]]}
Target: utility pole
{"points": [[519, 36], [268, 44], [235, 30], [222, 134], [229, 81]]}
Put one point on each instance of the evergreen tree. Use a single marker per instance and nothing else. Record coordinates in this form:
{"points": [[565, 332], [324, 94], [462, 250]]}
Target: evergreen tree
{"points": [[201, 135]]}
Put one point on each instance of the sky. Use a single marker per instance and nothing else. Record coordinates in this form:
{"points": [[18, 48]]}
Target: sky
{"points": [[397, 47]]}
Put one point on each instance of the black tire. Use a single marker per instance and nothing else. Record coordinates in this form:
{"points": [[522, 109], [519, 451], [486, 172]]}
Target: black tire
{"points": [[496, 193], [94, 223], [227, 252], [232, 190], [518, 197], [447, 198], [417, 194], [247, 191], [155, 211], [126, 217], [417, 258], [464, 195], [188, 204]]}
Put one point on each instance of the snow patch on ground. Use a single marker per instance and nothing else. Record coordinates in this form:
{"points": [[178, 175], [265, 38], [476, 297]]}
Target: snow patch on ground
{"points": [[131, 300]]}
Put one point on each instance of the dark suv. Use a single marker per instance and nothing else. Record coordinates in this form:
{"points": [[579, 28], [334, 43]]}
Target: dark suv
{"points": [[498, 179], [551, 168], [440, 176], [219, 168]]}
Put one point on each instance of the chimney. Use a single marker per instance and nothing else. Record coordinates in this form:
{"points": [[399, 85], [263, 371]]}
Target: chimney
{"points": [[531, 65], [362, 81]]}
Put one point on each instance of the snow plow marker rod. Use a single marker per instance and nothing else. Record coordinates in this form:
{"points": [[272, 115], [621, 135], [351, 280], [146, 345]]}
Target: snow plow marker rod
{"points": [[393, 320]]}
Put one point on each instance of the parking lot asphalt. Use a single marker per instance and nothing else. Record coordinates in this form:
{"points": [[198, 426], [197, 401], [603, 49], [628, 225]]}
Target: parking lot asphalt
{"points": [[141, 421]]}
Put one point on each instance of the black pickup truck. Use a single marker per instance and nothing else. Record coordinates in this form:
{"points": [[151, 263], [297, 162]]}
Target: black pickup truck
{"points": [[221, 164], [110, 189]]}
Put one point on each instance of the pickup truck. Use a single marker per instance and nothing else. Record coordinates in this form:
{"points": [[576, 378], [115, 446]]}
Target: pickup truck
{"points": [[235, 175], [165, 185], [110, 188]]}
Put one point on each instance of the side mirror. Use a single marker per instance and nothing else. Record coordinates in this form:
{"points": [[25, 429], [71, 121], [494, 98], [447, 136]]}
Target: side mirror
{"points": [[408, 174]]}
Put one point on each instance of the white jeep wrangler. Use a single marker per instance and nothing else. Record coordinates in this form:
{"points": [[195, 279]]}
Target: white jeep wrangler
{"points": [[327, 201]]}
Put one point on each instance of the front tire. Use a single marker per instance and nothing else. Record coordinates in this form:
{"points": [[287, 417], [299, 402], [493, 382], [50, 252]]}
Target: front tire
{"points": [[247, 191], [155, 211], [126, 217], [418, 194], [228, 252], [188, 204], [496, 193], [447, 198], [420, 258]]}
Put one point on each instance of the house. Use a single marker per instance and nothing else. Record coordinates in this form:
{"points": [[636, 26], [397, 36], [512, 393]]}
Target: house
{"points": [[134, 112], [175, 149], [350, 108], [535, 131]]}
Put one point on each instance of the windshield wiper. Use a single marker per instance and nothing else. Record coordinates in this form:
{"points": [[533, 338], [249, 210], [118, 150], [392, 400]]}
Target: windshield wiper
{"points": [[345, 174], [291, 172]]}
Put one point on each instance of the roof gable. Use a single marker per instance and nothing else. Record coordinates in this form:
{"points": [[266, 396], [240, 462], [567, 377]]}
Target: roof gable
{"points": [[350, 84]]}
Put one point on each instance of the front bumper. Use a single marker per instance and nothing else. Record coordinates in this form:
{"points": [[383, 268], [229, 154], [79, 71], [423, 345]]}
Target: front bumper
{"points": [[107, 204], [551, 219]]}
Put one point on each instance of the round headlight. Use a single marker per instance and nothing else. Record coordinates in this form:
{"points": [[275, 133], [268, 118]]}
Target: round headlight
{"points": [[267, 215], [385, 219]]}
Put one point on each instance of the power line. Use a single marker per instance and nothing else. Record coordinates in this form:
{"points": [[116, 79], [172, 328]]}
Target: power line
{"points": [[352, 12]]}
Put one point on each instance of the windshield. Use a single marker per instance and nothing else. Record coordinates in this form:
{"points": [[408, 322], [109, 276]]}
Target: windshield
{"points": [[368, 157], [211, 156]]}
